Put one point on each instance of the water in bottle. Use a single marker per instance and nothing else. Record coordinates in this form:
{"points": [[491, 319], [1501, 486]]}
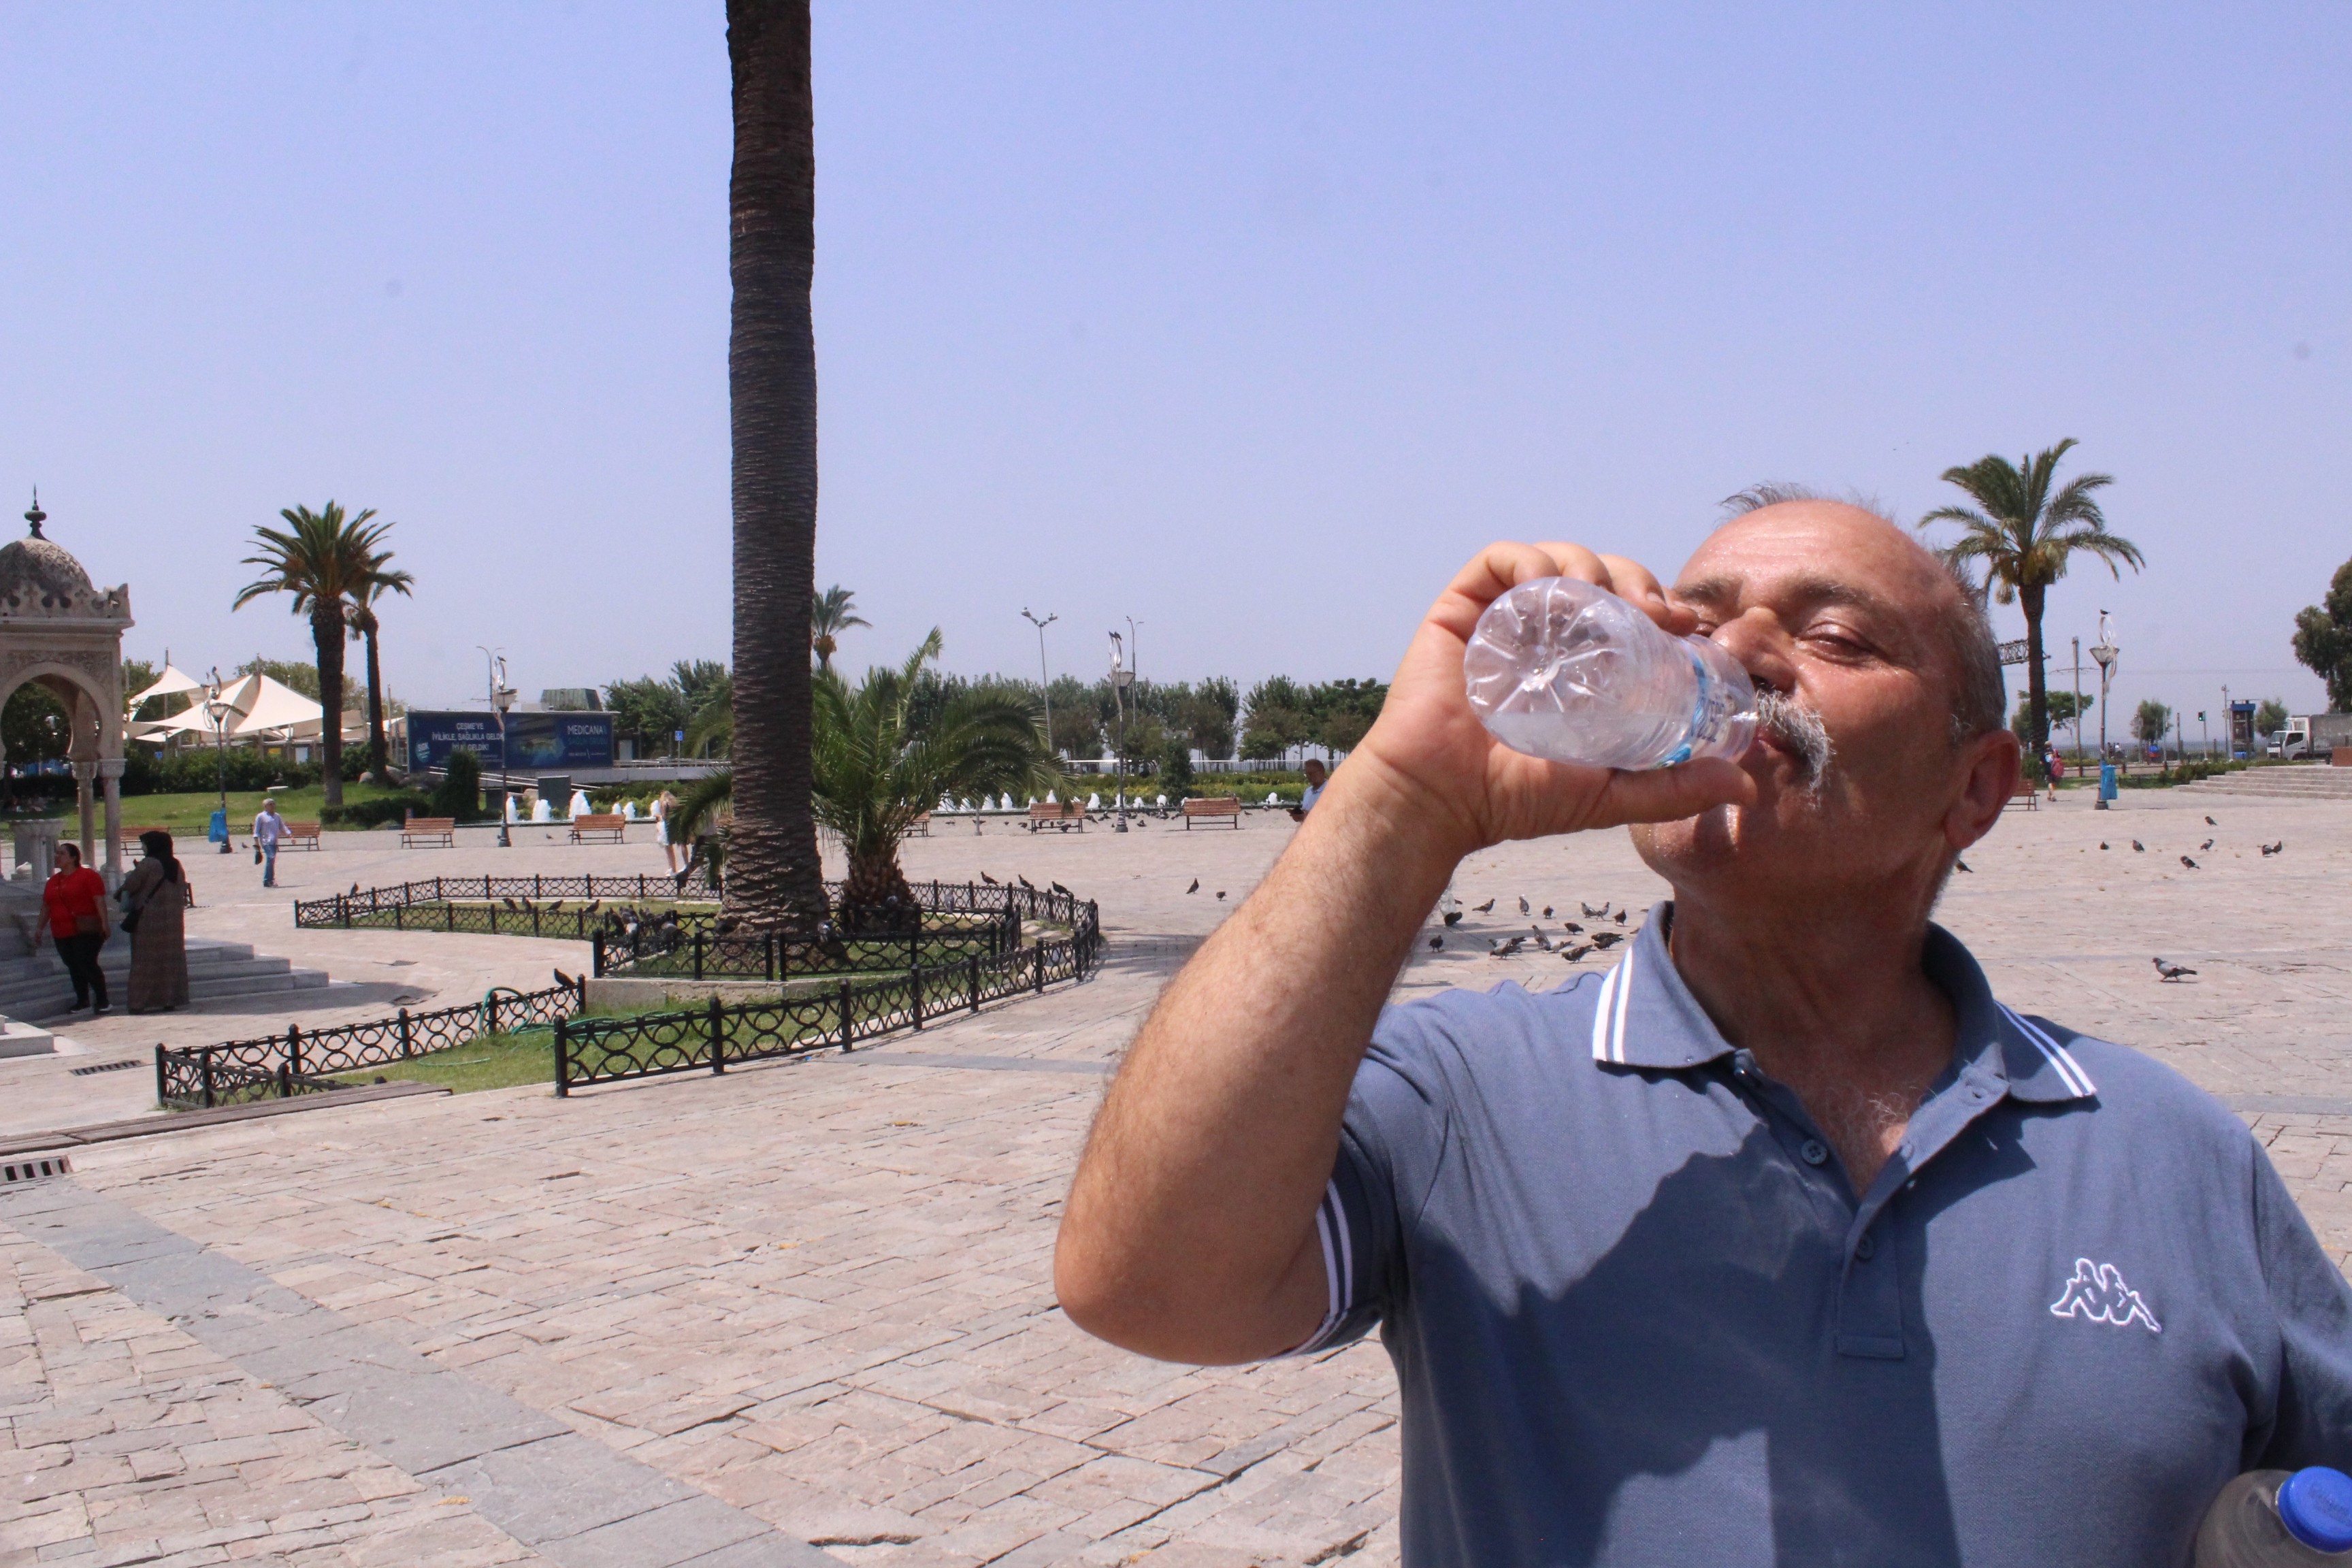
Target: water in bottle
{"points": [[2274, 1518], [1561, 669]]}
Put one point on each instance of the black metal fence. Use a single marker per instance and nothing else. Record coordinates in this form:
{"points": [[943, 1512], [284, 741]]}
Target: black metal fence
{"points": [[496, 906], [711, 1037], [300, 1061]]}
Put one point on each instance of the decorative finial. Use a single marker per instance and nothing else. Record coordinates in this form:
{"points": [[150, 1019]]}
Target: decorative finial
{"points": [[36, 516]]}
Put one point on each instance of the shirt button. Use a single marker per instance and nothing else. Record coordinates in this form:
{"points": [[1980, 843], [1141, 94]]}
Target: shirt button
{"points": [[1866, 1249], [1813, 1151]]}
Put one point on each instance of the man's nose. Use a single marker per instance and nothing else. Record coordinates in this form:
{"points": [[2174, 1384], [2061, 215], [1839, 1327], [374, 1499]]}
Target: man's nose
{"points": [[1756, 638]]}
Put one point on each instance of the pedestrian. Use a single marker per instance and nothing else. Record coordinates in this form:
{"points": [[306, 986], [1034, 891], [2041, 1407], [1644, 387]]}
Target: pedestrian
{"points": [[665, 804], [74, 900], [154, 914], [1783, 1242], [1317, 775], [268, 829]]}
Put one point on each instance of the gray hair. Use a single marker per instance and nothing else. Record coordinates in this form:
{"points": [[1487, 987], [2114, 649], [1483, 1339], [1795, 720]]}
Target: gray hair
{"points": [[1979, 691]]}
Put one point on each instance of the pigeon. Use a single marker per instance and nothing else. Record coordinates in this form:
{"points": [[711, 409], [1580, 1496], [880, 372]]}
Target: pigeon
{"points": [[1221, 892], [1483, 909], [1621, 917], [1453, 918], [1589, 913], [2188, 862], [566, 980], [2210, 822], [2202, 849], [1960, 865], [2271, 849], [1573, 953], [1195, 887], [511, 903], [987, 879], [1546, 911], [1435, 942], [1067, 894], [2137, 846], [1542, 940], [1508, 948], [1523, 906], [1605, 940], [1025, 881], [356, 890], [2103, 844], [1572, 926], [2169, 971]]}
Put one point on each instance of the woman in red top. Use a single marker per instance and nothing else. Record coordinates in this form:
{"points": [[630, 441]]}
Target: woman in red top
{"points": [[75, 901]]}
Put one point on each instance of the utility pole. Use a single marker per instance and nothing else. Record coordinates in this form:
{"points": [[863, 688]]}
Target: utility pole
{"points": [[1044, 681], [2078, 703]]}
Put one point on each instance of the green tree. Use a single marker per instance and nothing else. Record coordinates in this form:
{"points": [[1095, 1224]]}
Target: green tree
{"points": [[459, 793], [2025, 537], [381, 579], [33, 725], [831, 613], [2150, 720], [2063, 709], [648, 711], [323, 560], [1176, 768], [2271, 717], [774, 879], [2323, 639], [1207, 716], [711, 722]]}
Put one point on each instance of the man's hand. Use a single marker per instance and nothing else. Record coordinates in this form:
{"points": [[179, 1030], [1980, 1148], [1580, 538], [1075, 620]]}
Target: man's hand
{"points": [[1432, 755]]}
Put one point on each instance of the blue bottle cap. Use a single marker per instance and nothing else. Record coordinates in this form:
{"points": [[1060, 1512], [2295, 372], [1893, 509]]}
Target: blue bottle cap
{"points": [[2316, 1506]]}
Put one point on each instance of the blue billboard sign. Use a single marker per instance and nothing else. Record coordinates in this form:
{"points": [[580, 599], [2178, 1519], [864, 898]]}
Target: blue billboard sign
{"points": [[532, 742]]}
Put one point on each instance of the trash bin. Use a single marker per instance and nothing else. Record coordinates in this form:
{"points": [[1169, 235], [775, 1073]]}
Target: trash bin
{"points": [[217, 832], [2107, 783]]}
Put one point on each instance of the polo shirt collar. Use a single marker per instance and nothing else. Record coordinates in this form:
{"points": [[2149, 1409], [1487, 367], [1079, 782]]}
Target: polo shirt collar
{"points": [[1648, 1018]]}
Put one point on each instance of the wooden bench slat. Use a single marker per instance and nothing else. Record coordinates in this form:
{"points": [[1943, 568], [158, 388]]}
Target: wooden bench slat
{"points": [[1213, 808], [441, 830], [611, 825], [1062, 815]]}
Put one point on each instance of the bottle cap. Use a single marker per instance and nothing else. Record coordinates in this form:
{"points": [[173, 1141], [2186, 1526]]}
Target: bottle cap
{"points": [[2316, 1506]]}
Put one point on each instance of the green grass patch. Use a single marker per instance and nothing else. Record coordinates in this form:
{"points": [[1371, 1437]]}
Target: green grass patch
{"points": [[186, 817]]}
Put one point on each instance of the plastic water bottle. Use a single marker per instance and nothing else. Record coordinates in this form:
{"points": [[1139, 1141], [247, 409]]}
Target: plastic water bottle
{"points": [[1561, 669], [2268, 1519]]}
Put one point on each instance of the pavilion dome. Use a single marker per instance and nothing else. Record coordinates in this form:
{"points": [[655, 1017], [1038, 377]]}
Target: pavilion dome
{"points": [[37, 570]]}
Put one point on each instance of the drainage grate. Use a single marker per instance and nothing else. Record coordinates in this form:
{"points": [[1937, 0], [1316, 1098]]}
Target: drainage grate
{"points": [[107, 1066], [35, 1168]]}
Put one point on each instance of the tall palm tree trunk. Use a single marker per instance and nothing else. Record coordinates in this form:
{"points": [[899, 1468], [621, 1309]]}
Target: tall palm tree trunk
{"points": [[379, 752], [774, 877], [326, 631], [2029, 598]]}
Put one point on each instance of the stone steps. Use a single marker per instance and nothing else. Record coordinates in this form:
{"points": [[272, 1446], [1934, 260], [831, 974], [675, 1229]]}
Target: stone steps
{"points": [[2312, 781], [35, 985]]}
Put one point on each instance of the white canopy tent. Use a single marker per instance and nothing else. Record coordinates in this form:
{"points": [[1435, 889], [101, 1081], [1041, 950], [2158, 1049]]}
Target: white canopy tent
{"points": [[254, 709], [170, 683]]}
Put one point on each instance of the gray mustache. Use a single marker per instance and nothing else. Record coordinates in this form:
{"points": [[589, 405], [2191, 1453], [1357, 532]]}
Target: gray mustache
{"points": [[1796, 727]]}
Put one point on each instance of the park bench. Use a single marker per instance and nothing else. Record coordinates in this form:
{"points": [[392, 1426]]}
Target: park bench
{"points": [[921, 828], [2027, 796], [299, 836], [609, 829], [128, 836], [440, 830], [1227, 806], [1064, 814]]}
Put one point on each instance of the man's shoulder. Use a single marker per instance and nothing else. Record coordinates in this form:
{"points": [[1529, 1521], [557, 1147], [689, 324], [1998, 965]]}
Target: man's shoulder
{"points": [[1503, 1027], [2124, 1083]]}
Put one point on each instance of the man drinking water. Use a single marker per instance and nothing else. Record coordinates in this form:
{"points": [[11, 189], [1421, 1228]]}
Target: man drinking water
{"points": [[1786, 1242]]}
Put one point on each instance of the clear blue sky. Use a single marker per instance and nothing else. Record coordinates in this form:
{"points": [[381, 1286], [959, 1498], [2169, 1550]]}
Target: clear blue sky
{"points": [[1248, 322]]}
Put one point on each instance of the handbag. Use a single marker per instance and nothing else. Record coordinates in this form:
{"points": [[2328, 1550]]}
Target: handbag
{"points": [[130, 919], [256, 853]]}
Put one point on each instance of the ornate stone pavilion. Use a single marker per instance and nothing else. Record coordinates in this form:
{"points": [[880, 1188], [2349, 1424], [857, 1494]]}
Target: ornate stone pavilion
{"points": [[57, 630]]}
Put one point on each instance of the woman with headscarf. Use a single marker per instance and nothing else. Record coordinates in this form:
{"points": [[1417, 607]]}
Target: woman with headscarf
{"points": [[154, 899]]}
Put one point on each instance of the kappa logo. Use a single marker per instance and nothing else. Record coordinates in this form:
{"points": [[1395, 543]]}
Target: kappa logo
{"points": [[2097, 1292]]}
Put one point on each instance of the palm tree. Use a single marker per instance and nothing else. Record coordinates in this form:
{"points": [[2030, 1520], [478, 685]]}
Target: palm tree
{"points": [[325, 562], [365, 627], [2025, 536], [830, 615], [775, 881], [875, 772]]}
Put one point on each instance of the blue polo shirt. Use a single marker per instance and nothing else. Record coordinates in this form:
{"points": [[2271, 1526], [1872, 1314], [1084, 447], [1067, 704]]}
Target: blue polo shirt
{"points": [[1640, 1316]]}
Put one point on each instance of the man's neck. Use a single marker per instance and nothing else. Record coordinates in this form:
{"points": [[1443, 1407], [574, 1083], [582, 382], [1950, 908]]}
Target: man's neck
{"points": [[1832, 1002]]}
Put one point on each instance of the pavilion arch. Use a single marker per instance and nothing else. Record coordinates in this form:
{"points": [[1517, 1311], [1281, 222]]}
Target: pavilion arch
{"points": [[59, 632]]}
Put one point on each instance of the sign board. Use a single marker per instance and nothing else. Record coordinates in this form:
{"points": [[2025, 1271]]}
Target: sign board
{"points": [[533, 743]]}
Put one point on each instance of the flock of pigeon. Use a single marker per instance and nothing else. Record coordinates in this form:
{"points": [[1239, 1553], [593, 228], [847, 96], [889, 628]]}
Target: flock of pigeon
{"points": [[1577, 942], [2173, 974]]}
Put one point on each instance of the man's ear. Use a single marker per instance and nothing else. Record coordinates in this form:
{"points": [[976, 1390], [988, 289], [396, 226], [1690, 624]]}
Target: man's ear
{"points": [[1994, 763]]}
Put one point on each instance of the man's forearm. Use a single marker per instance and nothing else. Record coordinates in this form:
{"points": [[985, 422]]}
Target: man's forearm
{"points": [[1189, 1228]]}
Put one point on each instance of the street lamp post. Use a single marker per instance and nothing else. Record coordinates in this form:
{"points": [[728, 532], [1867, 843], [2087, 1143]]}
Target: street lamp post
{"points": [[1120, 679], [2107, 653], [1044, 680], [217, 708], [494, 670], [2078, 703]]}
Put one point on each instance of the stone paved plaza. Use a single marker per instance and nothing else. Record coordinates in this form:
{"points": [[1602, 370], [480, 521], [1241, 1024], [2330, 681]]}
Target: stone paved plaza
{"points": [[712, 1320]]}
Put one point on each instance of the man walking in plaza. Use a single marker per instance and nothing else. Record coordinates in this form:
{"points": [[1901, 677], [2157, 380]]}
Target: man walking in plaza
{"points": [[1784, 1243], [268, 827]]}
